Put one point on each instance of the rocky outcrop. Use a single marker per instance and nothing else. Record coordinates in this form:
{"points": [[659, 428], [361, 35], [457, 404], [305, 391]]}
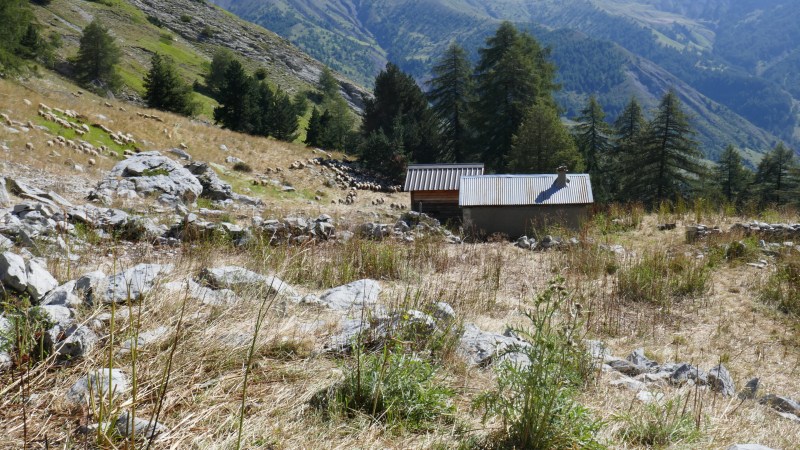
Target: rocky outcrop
{"points": [[148, 173], [358, 294]]}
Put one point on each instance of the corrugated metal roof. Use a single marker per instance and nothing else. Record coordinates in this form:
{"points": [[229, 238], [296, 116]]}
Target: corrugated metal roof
{"points": [[515, 190], [438, 177]]}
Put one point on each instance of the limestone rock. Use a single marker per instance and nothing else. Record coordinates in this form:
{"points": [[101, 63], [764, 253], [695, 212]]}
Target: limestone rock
{"points": [[149, 173], [63, 295], [748, 447], [138, 426], [40, 282], [483, 348], [134, 283], [781, 404], [80, 340], [357, 294], [100, 382], [750, 390], [12, 271]]}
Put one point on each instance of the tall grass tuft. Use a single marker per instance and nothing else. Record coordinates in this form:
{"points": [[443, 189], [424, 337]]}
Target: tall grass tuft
{"points": [[536, 402], [659, 278], [660, 424], [782, 287]]}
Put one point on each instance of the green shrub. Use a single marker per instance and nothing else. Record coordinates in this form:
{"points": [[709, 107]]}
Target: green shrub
{"points": [[242, 166], [782, 288], [537, 402], [392, 387], [186, 18], [660, 425]]}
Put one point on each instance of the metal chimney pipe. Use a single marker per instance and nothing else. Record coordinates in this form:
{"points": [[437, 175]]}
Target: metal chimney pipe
{"points": [[562, 180]]}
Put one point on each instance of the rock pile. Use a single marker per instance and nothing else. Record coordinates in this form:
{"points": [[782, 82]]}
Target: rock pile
{"points": [[639, 373], [411, 226], [766, 230]]}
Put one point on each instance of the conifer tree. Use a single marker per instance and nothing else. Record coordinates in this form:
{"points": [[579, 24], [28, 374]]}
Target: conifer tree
{"points": [[512, 75], [164, 88], [629, 131], [97, 58], [775, 179], [314, 129], [543, 143], [282, 118], [328, 84], [234, 110], [669, 159], [450, 94], [215, 77], [15, 17], [400, 111], [731, 176], [593, 137]]}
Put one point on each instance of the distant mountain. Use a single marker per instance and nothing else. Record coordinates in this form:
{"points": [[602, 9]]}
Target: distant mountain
{"points": [[735, 63]]}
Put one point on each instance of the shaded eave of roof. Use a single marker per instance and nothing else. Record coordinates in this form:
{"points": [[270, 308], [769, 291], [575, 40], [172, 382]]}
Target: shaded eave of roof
{"points": [[525, 190]]}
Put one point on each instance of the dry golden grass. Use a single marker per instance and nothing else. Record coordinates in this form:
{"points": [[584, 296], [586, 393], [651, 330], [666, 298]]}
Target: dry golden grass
{"points": [[488, 284]]}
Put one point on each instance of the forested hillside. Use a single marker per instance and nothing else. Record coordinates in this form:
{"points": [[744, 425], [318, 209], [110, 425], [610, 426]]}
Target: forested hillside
{"points": [[723, 57]]}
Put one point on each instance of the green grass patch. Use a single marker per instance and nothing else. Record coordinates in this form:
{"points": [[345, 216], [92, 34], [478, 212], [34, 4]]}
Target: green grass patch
{"points": [[391, 387], [94, 136], [782, 288], [659, 278]]}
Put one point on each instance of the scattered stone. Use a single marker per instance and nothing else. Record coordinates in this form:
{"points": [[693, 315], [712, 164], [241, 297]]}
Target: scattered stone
{"points": [[361, 293], [12, 272], [781, 404], [127, 425], [144, 338], [206, 296], [629, 384], [686, 372], [721, 381], [100, 383], [483, 348], [89, 284], [626, 367], [79, 341], [648, 397], [134, 283], [637, 357], [443, 311], [63, 295], [40, 282], [238, 278], [750, 390]]}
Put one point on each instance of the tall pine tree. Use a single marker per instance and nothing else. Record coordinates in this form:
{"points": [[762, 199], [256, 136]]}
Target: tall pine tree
{"points": [[98, 55], [731, 176], [775, 179], [593, 136], [400, 111], [668, 162], [235, 110], [15, 17], [512, 75], [450, 94]]}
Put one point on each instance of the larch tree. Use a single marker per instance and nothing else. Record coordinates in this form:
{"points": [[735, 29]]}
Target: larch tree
{"points": [[593, 137], [451, 91], [543, 143], [775, 179], [732, 176], [512, 75], [400, 111], [668, 162]]}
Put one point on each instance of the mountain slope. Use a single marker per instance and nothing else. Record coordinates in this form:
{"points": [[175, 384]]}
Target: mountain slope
{"points": [[693, 42], [189, 31]]}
